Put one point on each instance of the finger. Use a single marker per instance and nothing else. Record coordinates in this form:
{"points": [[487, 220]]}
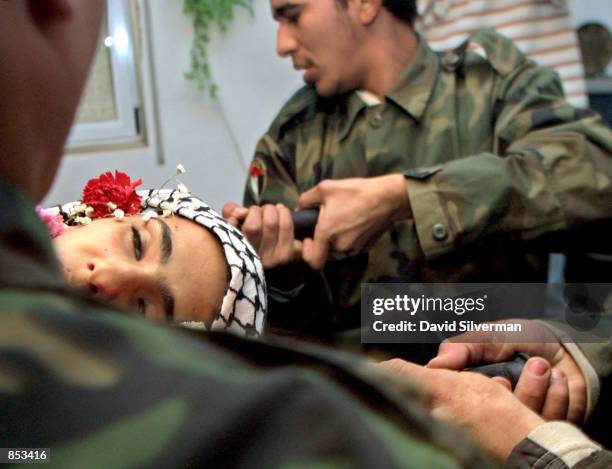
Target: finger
{"points": [[315, 250], [252, 226], [233, 221], [479, 348], [297, 250], [228, 208], [234, 210], [578, 398], [285, 246], [310, 198], [557, 398], [533, 383], [269, 232], [240, 213], [503, 381], [453, 356], [307, 250], [458, 356]]}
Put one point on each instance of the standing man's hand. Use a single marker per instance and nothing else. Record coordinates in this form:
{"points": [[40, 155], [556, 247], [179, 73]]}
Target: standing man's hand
{"points": [[491, 414], [555, 389], [234, 213], [269, 229], [353, 214]]}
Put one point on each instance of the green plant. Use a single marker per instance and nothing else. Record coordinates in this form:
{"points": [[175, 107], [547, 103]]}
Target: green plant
{"points": [[207, 13]]}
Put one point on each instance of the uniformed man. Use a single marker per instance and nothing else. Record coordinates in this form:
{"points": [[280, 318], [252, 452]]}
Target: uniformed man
{"points": [[453, 167]]}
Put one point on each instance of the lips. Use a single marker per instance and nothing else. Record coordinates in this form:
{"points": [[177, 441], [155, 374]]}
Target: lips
{"points": [[309, 70], [309, 75]]}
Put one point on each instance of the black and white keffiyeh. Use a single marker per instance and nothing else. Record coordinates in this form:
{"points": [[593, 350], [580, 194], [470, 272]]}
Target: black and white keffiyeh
{"points": [[244, 304]]}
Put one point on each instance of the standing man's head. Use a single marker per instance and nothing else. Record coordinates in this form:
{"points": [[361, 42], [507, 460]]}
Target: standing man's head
{"points": [[342, 45], [46, 47]]}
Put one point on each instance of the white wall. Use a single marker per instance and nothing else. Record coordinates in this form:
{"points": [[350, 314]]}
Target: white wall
{"points": [[213, 140]]}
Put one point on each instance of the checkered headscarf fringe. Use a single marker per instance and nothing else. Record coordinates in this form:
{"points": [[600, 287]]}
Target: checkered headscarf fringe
{"points": [[244, 304]]}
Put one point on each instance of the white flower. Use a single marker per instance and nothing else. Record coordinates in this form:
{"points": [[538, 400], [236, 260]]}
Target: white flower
{"points": [[182, 188], [89, 210], [166, 213], [77, 208], [82, 220], [111, 206], [165, 205], [180, 169], [148, 215], [118, 213]]}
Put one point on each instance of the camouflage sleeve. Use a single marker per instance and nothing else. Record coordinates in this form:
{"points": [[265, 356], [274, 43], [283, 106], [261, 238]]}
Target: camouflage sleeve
{"points": [[107, 390], [558, 444], [550, 171]]}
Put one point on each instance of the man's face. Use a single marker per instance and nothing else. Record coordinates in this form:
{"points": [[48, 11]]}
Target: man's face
{"points": [[322, 39], [171, 269]]}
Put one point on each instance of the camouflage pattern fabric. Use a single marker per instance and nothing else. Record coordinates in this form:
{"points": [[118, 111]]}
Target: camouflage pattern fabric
{"points": [[108, 390], [494, 159]]}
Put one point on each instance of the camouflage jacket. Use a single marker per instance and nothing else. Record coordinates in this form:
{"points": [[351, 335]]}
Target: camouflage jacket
{"points": [[560, 445], [109, 390], [495, 162]]}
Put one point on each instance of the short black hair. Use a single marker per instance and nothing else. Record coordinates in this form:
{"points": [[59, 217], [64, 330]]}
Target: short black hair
{"points": [[405, 10]]}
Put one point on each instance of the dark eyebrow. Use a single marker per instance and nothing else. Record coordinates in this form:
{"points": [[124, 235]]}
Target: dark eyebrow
{"points": [[168, 298], [281, 11], [166, 241]]}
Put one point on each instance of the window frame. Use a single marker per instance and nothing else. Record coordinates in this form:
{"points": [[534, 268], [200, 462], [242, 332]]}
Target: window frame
{"points": [[126, 128]]}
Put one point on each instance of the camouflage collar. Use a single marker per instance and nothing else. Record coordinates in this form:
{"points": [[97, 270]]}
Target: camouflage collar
{"points": [[353, 105], [411, 93], [417, 82]]}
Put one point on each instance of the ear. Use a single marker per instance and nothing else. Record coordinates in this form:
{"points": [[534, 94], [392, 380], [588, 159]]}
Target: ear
{"points": [[369, 10], [44, 12]]}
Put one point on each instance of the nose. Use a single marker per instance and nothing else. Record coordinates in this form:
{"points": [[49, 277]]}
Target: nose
{"points": [[286, 43], [118, 282]]}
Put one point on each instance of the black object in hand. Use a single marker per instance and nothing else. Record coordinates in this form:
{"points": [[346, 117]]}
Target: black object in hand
{"points": [[511, 370], [304, 222]]}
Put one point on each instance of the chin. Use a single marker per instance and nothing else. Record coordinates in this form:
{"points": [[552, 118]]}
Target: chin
{"points": [[330, 89], [324, 91]]}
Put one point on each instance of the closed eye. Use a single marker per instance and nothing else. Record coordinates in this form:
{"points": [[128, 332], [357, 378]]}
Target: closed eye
{"points": [[137, 242]]}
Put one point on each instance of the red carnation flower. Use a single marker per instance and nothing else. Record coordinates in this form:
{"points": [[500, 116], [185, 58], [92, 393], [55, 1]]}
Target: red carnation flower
{"points": [[117, 189]]}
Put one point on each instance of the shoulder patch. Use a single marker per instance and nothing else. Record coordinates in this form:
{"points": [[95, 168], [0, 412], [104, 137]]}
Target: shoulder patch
{"points": [[257, 178]]}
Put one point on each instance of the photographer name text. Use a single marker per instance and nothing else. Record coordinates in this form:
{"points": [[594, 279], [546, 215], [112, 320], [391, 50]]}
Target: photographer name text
{"points": [[446, 326]]}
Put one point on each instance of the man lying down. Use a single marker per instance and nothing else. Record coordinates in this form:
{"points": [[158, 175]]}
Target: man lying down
{"points": [[164, 253]]}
